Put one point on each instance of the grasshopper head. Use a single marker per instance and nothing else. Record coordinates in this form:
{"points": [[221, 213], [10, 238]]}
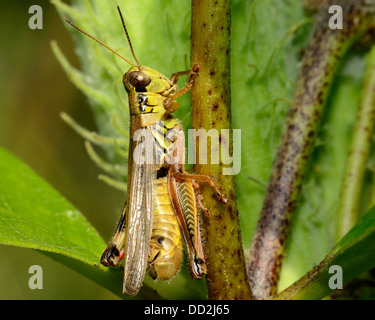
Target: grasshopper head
{"points": [[145, 79]]}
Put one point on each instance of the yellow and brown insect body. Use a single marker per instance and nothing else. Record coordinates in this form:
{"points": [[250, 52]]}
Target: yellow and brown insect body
{"points": [[166, 133], [166, 241], [147, 109], [160, 199], [165, 254], [181, 204]]}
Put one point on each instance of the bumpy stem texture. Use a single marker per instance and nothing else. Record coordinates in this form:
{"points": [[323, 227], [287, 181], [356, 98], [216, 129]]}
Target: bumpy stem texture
{"points": [[210, 49], [323, 55], [358, 155]]}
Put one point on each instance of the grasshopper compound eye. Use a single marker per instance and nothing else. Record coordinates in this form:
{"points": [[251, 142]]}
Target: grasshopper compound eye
{"points": [[139, 79]]}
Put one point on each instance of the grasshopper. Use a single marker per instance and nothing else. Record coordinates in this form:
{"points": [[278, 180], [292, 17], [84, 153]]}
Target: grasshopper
{"points": [[163, 200]]}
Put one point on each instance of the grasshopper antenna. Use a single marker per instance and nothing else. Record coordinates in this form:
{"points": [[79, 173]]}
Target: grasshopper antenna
{"points": [[127, 36], [102, 43]]}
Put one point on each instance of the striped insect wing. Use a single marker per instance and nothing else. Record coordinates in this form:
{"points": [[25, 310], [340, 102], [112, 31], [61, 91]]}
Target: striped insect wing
{"points": [[139, 212]]}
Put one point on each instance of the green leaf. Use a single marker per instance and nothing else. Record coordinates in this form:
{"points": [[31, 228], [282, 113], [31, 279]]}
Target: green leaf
{"points": [[355, 254], [34, 215]]}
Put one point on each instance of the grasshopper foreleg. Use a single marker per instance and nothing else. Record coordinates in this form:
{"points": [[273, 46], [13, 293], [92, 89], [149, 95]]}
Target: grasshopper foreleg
{"points": [[169, 103]]}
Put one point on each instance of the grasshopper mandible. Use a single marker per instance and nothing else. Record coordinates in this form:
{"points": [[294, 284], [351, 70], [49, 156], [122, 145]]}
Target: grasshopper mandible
{"points": [[162, 199]]}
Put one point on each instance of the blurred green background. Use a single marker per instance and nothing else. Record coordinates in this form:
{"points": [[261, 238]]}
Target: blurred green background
{"points": [[34, 91]]}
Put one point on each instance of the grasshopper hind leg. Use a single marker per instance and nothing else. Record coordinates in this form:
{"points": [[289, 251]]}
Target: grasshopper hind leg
{"points": [[202, 178], [113, 254]]}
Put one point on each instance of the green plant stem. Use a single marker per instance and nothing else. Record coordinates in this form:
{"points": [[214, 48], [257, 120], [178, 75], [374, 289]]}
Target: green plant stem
{"points": [[358, 155], [210, 49], [323, 55]]}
